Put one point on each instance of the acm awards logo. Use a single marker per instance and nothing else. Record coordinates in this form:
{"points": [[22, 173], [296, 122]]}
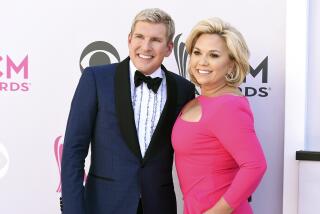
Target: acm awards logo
{"points": [[14, 74], [58, 149], [263, 89]]}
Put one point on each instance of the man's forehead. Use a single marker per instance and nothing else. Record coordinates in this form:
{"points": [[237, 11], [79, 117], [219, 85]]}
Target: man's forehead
{"points": [[144, 26]]}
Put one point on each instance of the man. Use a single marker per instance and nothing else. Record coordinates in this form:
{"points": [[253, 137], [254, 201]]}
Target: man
{"points": [[126, 111]]}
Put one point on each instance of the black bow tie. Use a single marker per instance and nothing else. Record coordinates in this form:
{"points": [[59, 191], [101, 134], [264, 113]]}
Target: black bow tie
{"points": [[152, 83]]}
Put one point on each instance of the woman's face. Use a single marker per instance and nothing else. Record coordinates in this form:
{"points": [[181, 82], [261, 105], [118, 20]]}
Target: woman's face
{"points": [[210, 61]]}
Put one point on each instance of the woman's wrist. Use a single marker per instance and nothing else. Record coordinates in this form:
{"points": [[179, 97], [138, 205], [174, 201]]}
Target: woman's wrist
{"points": [[221, 207]]}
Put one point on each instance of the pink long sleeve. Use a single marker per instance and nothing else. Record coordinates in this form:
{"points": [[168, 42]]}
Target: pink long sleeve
{"points": [[218, 156], [236, 133]]}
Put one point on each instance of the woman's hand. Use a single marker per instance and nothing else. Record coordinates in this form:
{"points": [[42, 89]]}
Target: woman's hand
{"points": [[221, 207]]}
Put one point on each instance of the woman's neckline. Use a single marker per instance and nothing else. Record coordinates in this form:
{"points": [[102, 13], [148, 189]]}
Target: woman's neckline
{"points": [[221, 95]]}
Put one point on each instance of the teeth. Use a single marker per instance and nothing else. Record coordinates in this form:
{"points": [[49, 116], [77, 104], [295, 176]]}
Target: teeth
{"points": [[145, 56], [204, 72]]}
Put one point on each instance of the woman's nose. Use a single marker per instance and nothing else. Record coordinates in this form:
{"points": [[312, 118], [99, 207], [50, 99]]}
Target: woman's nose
{"points": [[203, 60]]}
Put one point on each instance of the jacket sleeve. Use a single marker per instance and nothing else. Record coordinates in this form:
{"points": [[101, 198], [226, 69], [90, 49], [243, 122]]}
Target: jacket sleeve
{"points": [[76, 143], [192, 92]]}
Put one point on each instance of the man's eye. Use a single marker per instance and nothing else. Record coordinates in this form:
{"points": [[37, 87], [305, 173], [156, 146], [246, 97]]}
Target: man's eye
{"points": [[138, 36], [156, 40]]}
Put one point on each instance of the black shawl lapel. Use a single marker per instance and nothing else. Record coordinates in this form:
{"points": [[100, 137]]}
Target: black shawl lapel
{"points": [[162, 133], [124, 107]]}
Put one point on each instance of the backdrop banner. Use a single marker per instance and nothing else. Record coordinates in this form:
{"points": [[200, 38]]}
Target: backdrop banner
{"points": [[44, 47]]}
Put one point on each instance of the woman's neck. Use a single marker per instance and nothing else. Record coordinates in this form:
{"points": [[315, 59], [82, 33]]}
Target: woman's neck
{"points": [[212, 91]]}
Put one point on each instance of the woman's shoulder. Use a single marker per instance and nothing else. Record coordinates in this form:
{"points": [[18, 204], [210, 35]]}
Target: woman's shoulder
{"points": [[225, 99], [225, 104]]}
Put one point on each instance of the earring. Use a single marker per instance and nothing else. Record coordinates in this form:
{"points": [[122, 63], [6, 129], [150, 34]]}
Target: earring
{"points": [[229, 76]]}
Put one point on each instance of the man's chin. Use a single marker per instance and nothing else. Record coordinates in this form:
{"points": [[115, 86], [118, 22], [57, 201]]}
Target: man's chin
{"points": [[146, 69]]}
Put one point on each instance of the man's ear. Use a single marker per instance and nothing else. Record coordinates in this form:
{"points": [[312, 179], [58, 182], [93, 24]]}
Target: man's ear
{"points": [[169, 48], [129, 38]]}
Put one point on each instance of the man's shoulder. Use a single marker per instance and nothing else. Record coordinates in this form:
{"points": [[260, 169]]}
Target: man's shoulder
{"points": [[101, 69]]}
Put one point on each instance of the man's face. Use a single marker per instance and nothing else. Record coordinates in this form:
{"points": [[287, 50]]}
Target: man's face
{"points": [[148, 46]]}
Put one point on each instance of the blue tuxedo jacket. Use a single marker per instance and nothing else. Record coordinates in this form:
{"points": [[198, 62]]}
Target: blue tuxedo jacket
{"points": [[101, 115]]}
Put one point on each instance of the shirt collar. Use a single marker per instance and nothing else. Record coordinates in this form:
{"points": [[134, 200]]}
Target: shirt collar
{"points": [[156, 73]]}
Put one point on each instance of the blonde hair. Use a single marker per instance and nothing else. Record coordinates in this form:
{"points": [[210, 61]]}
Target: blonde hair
{"points": [[237, 47], [156, 16]]}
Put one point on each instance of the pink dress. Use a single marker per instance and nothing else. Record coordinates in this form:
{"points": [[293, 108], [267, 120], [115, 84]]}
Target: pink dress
{"points": [[218, 156]]}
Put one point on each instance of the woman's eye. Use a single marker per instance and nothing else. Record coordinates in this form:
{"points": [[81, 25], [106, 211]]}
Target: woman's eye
{"points": [[214, 55]]}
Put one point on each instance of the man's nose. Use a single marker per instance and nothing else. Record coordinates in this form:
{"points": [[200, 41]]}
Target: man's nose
{"points": [[146, 45]]}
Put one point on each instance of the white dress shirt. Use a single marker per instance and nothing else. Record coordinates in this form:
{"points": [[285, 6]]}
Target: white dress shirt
{"points": [[147, 106]]}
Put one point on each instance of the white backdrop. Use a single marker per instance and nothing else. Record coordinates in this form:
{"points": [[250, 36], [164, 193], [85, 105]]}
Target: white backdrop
{"points": [[313, 78], [40, 46]]}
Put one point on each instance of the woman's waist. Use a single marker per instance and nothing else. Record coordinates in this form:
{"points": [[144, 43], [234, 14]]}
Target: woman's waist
{"points": [[205, 182]]}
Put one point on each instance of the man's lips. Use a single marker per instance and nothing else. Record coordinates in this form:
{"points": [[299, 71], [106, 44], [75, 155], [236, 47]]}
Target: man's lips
{"points": [[143, 56]]}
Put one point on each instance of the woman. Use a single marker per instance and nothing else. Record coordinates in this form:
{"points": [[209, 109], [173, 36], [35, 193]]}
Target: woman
{"points": [[218, 157]]}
